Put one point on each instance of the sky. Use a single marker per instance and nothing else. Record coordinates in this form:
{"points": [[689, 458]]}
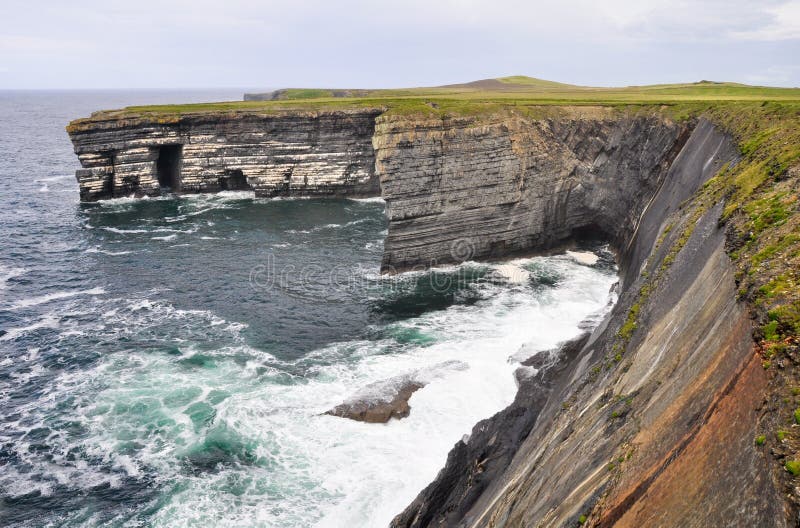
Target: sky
{"points": [[181, 44]]}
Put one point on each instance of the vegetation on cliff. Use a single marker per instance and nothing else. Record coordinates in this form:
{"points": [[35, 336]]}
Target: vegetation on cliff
{"points": [[763, 217], [761, 196]]}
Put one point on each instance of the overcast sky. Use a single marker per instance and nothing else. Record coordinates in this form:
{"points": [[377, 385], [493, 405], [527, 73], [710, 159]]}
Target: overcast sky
{"points": [[377, 43]]}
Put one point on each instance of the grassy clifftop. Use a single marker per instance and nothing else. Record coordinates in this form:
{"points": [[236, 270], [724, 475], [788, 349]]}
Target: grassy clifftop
{"points": [[762, 213], [478, 97]]}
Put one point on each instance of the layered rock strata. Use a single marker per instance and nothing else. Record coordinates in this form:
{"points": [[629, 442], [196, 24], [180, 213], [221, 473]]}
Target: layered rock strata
{"points": [[305, 153], [460, 189], [456, 189]]}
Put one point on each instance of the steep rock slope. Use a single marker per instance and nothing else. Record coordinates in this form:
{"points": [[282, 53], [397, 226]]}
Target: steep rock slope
{"points": [[652, 422]]}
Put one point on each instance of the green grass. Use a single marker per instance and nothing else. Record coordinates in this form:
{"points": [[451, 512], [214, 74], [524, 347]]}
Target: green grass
{"points": [[793, 467], [770, 331], [762, 212], [630, 324], [515, 93], [770, 250], [532, 82], [305, 93], [768, 211], [788, 318]]}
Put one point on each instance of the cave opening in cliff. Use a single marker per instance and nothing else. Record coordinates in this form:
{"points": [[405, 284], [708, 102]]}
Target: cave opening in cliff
{"points": [[591, 234], [168, 167], [234, 180]]}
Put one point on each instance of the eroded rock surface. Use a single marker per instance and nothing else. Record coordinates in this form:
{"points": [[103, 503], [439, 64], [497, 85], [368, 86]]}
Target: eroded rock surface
{"points": [[465, 188], [381, 401], [299, 153], [646, 425], [366, 408]]}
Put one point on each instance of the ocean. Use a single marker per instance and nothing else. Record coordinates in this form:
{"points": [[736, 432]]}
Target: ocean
{"points": [[167, 361]]}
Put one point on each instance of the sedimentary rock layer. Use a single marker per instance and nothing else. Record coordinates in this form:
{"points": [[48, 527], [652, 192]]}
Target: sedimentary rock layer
{"points": [[456, 189], [459, 189], [306, 153]]}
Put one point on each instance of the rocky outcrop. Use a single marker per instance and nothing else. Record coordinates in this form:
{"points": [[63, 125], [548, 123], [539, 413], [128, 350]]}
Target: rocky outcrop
{"points": [[306, 153], [383, 400], [379, 410]]}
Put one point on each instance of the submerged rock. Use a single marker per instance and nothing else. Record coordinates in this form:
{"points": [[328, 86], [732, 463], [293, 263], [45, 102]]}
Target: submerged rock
{"points": [[383, 400], [380, 410]]}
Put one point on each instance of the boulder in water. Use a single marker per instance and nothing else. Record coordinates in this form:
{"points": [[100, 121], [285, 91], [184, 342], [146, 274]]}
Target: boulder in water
{"points": [[380, 410], [383, 400]]}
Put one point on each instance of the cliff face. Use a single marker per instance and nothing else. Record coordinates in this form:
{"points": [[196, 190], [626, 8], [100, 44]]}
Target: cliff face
{"points": [[327, 153], [650, 420], [460, 189]]}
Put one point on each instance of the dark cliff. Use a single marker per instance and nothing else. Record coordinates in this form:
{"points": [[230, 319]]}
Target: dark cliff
{"points": [[463, 188], [649, 423]]}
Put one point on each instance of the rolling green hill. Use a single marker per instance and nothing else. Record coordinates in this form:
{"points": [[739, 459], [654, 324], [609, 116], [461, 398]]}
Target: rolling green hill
{"points": [[480, 97]]}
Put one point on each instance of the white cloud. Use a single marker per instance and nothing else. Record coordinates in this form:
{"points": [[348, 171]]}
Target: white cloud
{"points": [[784, 24], [391, 42]]}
